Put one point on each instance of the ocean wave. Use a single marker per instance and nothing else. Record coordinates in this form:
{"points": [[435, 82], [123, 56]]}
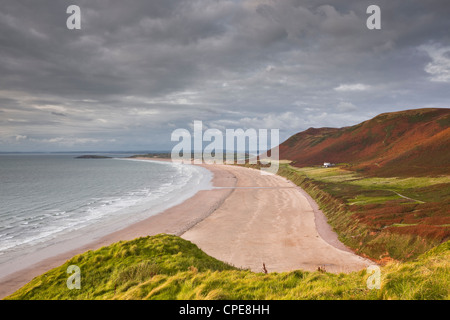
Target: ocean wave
{"points": [[111, 212]]}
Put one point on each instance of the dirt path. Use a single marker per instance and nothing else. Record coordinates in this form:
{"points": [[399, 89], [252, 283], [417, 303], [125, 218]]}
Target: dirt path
{"points": [[405, 197]]}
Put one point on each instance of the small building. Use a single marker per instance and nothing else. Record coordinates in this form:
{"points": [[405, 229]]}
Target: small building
{"points": [[328, 164]]}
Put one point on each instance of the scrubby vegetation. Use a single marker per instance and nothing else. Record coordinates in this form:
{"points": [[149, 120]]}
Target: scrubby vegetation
{"points": [[168, 267]]}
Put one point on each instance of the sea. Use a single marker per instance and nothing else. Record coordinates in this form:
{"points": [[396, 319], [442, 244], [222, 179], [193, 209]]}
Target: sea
{"points": [[46, 199]]}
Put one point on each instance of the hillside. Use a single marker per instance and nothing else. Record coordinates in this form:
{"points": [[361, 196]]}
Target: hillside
{"points": [[404, 143], [168, 267], [382, 218]]}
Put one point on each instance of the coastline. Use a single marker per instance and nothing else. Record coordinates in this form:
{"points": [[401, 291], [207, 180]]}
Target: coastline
{"points": [[174, 220], [239, 221]]}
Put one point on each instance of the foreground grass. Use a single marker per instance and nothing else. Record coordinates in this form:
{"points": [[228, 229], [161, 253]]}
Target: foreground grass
{"points": [[168, 267]]}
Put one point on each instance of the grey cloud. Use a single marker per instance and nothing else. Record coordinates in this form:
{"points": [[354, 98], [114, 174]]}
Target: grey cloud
{"points": [[137, 66]]}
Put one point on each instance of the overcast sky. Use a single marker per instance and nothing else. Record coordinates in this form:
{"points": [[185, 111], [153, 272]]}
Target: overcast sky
{"points": [[137, 70]]}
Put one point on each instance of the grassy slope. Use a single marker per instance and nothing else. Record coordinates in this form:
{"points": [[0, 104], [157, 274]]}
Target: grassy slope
{"points": [[168, 267], [372, 218]]}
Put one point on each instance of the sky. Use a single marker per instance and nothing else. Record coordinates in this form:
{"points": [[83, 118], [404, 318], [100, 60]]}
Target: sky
{"points": [[138, 70]]}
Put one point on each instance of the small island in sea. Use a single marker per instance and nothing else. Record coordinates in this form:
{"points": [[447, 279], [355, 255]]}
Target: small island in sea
{"points": [[90, 156]]}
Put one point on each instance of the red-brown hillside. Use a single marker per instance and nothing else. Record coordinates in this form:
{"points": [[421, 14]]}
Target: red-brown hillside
{"points": [[412, 142]]}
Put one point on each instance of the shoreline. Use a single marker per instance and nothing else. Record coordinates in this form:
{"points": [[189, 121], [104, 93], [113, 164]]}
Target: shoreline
{"points": [[174, 220], [236, 191]]}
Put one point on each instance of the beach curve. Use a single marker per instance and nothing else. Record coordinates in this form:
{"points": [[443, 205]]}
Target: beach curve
{"points": [[247, 219]]}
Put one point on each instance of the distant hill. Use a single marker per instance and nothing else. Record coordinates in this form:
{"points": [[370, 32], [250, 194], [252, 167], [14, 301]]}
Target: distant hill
{"points": [[405, 143]]}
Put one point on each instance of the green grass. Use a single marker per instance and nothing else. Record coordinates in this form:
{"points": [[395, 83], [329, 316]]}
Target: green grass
{"points": [[121, 266], [362, 199], [422, 189], [399, 184], [403, 224], [168, 267]]}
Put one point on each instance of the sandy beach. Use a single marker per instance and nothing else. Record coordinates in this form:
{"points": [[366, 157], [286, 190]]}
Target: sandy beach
{"points": [[247, 219], [268, 219]]}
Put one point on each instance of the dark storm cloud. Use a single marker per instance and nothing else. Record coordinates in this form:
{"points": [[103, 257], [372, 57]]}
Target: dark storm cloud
{"points": [[139, 69]]}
